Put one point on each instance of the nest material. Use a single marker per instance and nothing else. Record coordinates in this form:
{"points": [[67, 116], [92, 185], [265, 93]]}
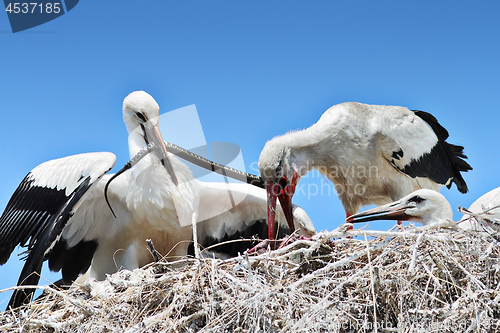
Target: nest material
{"points": [[438, 279]]}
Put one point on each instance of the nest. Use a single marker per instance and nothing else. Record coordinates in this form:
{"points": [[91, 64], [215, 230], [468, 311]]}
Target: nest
{"points": [[428, 279]]}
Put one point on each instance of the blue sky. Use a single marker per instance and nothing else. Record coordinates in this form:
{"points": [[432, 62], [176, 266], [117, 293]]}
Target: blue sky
{"points": [[254, 69]]}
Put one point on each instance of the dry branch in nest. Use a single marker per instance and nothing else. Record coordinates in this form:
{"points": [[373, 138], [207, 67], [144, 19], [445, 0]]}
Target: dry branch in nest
{"points": [[438, 279]]}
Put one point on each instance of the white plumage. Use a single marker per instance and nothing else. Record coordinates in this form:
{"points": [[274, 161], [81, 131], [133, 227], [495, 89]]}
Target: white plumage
{"points": [[489, 202], [423, 206], [428, 207], [59, 211], [373, 154]]}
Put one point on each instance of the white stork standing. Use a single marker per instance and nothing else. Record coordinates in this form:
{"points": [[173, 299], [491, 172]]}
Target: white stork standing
{"points": [[373, 154], [60, 213], [423, 206]]}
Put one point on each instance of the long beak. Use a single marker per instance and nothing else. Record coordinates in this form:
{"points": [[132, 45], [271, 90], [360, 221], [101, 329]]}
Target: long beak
{"points": [[286, 205], [392, 211], [153, 133]]}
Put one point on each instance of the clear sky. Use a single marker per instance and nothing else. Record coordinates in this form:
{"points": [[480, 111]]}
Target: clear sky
{"points": [[254, 69]]}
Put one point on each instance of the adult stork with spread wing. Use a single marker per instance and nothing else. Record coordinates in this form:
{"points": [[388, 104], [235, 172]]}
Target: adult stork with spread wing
{"points": [[68, 212]]}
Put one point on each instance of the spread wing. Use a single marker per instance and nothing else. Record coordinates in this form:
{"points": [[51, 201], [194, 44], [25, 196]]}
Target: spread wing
{"points": [[41, 207]]}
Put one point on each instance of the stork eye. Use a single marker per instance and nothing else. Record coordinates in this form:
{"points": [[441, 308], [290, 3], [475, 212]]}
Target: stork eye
{"points": [[277, 173], [140, 116], [416, 199]]}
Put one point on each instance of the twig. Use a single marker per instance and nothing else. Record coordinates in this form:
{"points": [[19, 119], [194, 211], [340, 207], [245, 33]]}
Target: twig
{"points": [[194, 220], [152, 250], [372, 285]]}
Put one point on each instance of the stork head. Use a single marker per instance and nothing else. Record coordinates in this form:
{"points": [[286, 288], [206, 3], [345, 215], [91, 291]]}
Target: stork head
{"points": [[423, 206], [139, 108], [281, 178], [141, 114]]}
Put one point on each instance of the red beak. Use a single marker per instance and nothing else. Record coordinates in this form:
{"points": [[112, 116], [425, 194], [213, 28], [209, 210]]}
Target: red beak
{"points": [[285, 197]]}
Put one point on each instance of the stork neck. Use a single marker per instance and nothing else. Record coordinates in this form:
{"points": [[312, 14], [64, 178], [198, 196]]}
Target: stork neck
{"points": [[301, 161], [444, 214], [300, 151], [135, 143]]}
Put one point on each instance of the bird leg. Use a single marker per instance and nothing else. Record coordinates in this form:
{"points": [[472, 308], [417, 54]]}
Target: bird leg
{"points": [[275, 244], [400, 225], [264, 245], [153, 250], [156, 255], [347, 214]]}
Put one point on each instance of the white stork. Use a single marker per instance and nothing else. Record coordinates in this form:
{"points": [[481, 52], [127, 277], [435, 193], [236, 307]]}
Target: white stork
{"points": [[60, 213], [429, 207], [488, 203], [373, 154], [423, 206]]}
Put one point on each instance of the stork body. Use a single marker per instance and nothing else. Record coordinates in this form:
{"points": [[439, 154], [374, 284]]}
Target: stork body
{"points": [[489, 202], [60, 213], [373, 154]]}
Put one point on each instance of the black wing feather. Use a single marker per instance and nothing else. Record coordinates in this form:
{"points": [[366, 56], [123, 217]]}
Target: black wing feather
{"points": [[28, 212], [258, 231], [440, 131], [72, 261], [49, 230], [444, 163], [36, 215]]}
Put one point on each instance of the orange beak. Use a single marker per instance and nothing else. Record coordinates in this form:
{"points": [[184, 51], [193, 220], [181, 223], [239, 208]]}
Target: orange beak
{"points": [[153, 133]]}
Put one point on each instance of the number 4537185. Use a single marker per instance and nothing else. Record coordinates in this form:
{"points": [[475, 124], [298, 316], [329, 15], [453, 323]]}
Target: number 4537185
{"points": [[33, 7]]}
